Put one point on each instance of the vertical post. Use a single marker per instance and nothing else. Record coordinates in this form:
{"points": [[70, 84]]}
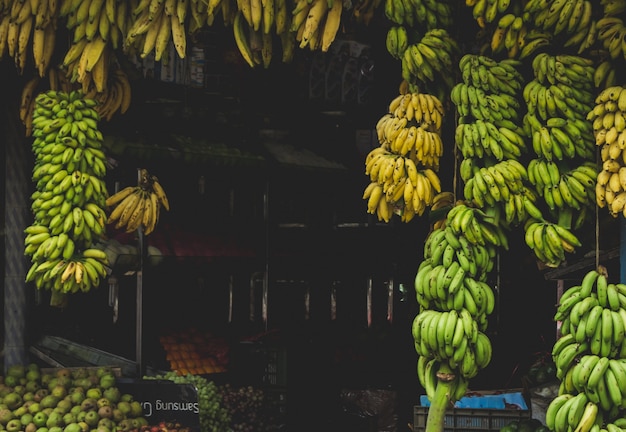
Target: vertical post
{"points": [[139, 298], [16, 210], [622, 249]]}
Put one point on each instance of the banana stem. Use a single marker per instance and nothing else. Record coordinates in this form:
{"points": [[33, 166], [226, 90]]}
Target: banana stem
{"points": [[441, 400]]}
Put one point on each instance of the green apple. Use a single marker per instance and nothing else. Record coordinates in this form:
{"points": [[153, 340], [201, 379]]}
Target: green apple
{"points": [[94, 393], [14, 425], [69, 418], [72, 427], [107, 380], [40, 419], [54, 419], [113, 394], [12, 400], [136, 410], [92, 418], [26, 418]]}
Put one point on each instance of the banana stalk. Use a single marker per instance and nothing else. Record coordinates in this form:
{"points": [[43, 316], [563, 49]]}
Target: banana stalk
{"points": [[442, 399]]}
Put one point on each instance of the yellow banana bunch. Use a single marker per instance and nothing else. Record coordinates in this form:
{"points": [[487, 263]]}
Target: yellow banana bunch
{"points": [[403, 169], [316, 23], [116, 98], [139, 206], [607, 118], [27, 103], [23, 24], [70, 193]]}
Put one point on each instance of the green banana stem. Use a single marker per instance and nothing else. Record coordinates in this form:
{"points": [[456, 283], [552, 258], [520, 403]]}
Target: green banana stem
{"points": [[441, 400]]}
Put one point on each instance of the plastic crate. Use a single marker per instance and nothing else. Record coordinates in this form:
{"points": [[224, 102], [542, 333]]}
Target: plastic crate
{"points": [[470, 420]]}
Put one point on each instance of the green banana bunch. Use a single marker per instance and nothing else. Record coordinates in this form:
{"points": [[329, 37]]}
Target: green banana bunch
{"points": [[453, 338], [490, 75], [486, 12], [533, 41], [560, 17], [501, 186], [610, 34], [509, 35], [585, 34], [430, 14], [430, 59], [605, 75], [476, 226], [68, 203], [570, 70], [590, 355], [573, 189], [482, 138], [572, 411], [549, 241], [443, 248], [397, 41], [455, 301], [501, 109]]}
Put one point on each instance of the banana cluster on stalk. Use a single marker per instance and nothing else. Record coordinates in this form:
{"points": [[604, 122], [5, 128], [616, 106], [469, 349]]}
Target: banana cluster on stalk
{"points": [[489, 137], [590, 356], [430, 14], [313, 25], [489, 108], [549, 241], [403, 169], [486, 12], [430, 58], [609, 125], [573, 189], [610, 34], [138, 206], [571, 22], [511, 36], [68, 203], [501, 184], [28, 27], [605, 74], [558, 101], [455, 300]]}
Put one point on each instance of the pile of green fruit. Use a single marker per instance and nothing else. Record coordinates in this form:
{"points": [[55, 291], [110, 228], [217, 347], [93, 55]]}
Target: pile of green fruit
{"points": [[66, 400]]}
